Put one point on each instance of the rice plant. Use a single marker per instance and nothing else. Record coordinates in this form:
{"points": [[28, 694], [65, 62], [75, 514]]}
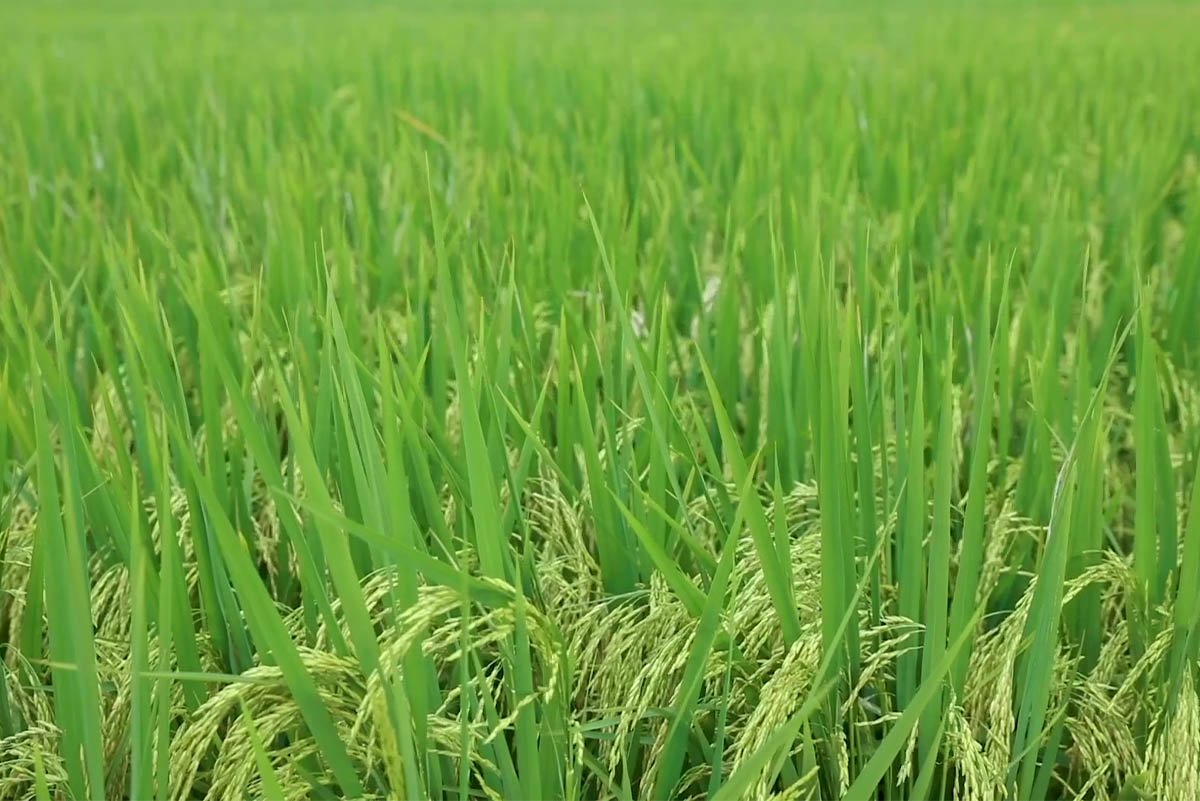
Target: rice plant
{"points": [[541, 401]]}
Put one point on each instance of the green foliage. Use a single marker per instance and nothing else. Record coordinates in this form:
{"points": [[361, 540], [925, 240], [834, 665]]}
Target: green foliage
{"points": [[580, 403]]}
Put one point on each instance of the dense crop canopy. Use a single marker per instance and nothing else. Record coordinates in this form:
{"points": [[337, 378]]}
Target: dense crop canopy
{"points": [[566, 403]]}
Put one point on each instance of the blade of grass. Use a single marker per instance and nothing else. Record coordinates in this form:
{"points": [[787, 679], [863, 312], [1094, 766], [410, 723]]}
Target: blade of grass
{"points": [[756, 519]]}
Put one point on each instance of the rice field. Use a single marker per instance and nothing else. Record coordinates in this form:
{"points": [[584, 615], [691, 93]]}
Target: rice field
{"points": [[545, 401]]}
